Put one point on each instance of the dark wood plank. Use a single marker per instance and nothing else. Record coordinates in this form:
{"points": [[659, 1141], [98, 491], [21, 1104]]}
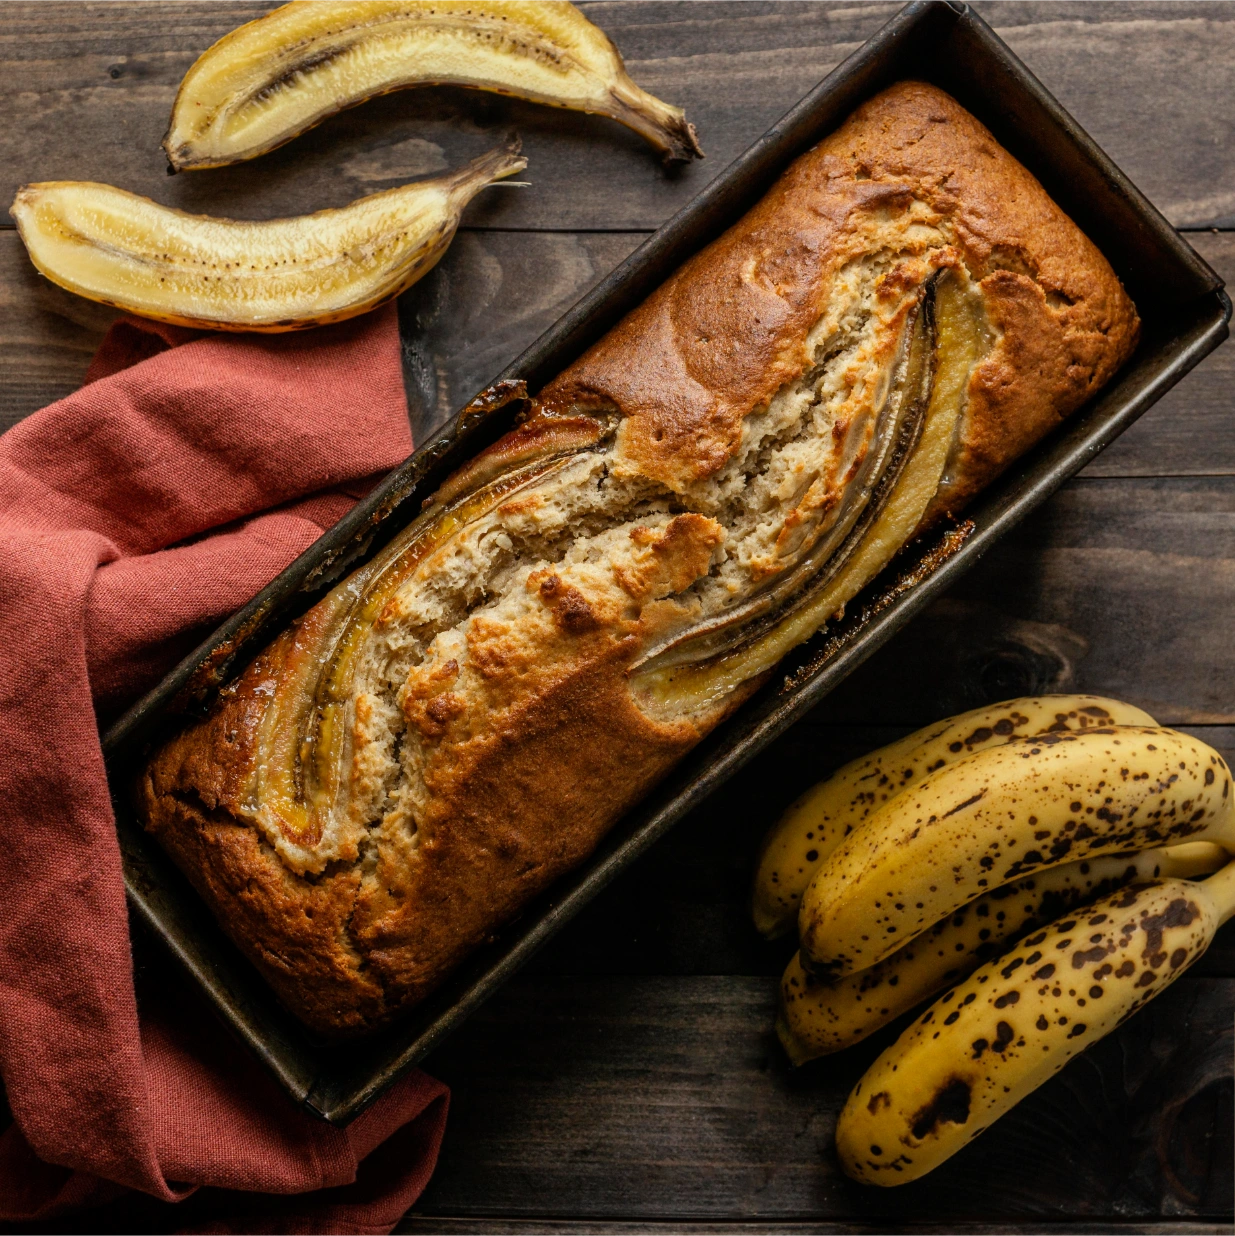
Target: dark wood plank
{"points": [[417, 1224], [1191, 431], [1090, 55], [87, 90], [1120, 586], [682, 909], [495, 292], [668, 1099]]}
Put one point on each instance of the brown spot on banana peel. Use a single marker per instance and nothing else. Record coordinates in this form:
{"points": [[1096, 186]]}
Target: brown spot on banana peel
{"points": [[949, 1106], [969, 802], [1001, 1058], [892, 860]]}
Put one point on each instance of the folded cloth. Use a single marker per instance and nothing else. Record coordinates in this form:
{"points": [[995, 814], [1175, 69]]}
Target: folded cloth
{"points": [[107, 578]]}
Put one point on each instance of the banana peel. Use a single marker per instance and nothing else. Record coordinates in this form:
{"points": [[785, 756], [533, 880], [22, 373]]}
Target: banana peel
{"points": [[270, 80], [112, 246], [817, 1018], [804, 838], [995, 1038], [1003, 813]]}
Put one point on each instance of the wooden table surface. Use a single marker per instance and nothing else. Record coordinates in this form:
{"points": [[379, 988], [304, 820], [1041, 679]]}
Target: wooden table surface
{"points": [[629, 1080]]}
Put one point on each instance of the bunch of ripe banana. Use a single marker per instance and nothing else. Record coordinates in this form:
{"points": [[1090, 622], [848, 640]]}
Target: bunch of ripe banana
{"points": [[272, 79], [1034, 859]]}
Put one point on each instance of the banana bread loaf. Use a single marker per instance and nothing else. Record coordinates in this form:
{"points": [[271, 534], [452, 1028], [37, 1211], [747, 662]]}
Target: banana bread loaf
{"points": [[462, 719]]}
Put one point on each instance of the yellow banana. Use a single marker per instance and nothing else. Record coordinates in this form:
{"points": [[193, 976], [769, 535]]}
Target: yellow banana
{"points": [[276, 275], [816, 823], [817, 1018], [1003, 813], [275, 77], [1017, 1021]]}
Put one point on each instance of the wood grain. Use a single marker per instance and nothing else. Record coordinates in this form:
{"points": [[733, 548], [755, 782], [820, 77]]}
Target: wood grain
{"points": [[1123, 587], [87, 89], [416, 1224], [665, 1098], [495, 292]]}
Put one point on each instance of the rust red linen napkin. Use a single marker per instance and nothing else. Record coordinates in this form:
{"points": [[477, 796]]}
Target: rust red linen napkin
{"points": [[134, 516]]}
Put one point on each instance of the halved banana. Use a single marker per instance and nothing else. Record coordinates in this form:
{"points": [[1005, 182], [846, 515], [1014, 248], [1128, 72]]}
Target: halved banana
{"points": [[224, 274], [273, 78]]}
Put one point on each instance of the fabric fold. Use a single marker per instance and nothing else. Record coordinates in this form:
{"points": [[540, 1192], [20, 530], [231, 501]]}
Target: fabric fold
{"points": [[134, 516]]}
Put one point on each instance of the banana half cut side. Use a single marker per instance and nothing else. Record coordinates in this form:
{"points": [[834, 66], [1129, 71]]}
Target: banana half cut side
{"points": [[225, 274], [272, 79]]}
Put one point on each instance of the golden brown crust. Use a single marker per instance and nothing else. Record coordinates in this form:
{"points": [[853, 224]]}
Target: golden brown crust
{"points": [[513, 804], [524, 767], [723, 333], [510, 812]]}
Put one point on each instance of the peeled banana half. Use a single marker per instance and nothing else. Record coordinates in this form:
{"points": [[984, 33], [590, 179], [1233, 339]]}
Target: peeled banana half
{"points": [[811, 829], [1015, 1022], [1003, 813], [275, 77], [223, 274]]}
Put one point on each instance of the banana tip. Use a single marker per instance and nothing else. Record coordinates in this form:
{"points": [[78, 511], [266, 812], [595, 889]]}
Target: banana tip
{"points": [[797, 1053], [684, 144]]}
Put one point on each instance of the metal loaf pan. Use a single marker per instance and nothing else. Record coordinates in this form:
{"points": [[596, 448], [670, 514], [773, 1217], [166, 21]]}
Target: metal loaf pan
{"points": [[1185, 314]]}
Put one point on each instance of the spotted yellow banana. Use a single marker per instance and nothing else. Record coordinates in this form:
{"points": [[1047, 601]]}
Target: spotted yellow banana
{"points": [[1003, 813], [817, 1018], [222, 274], [275, 77], [1017, 1021], [816, 823]]}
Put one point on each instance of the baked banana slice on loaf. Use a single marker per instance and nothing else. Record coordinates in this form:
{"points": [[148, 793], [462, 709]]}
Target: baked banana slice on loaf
{"points": [[461, 720]]}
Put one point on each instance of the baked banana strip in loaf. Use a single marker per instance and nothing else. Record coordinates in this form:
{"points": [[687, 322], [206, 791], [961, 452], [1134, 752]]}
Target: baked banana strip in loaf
{"points": [[462, 719]]}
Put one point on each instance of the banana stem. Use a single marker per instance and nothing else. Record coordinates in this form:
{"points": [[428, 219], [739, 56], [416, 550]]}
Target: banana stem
{"points": [[490, 167], [662, 124]]}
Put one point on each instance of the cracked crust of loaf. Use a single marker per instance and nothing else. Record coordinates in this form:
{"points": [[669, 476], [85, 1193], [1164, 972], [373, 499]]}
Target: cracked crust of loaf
{"points": [[521, 744], [510, 805], [718, 338]]}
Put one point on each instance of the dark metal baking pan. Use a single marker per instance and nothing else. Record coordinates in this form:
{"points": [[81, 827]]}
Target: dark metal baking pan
{"points": [[1185, 314]]}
